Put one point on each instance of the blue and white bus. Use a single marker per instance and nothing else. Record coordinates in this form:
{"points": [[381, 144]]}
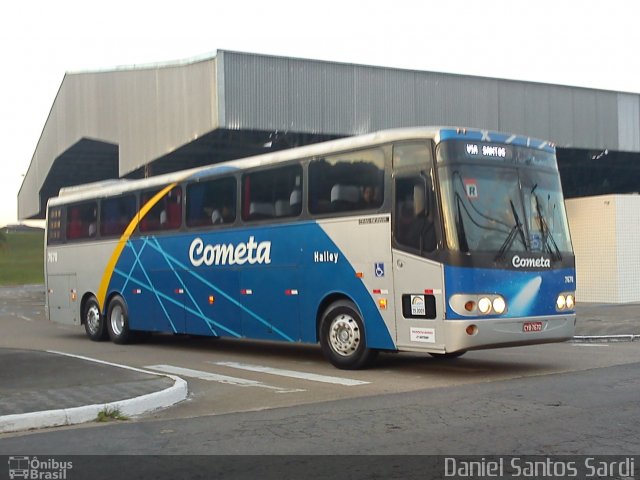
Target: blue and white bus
{"points": [[434, 240]]}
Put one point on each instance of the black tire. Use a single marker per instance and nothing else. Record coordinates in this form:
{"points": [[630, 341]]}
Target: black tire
{"points": [[94, 322], [342, 337], [118, 322], [448, 355]]}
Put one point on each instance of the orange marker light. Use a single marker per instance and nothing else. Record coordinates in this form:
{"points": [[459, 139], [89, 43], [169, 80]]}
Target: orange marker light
{"points": [[212, 299], [382, 303], [359, 275]]}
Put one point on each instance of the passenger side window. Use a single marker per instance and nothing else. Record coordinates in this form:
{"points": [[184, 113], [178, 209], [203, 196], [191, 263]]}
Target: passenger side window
{"points": [[166, 214], [211, 202], [82, 221], [275, 193], [116, 214], [347, 182], [415, 212]]}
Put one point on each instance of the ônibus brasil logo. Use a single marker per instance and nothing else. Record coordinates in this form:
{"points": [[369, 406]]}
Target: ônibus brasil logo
{"points": [[540, 262], [250, 252], [38, 469]]}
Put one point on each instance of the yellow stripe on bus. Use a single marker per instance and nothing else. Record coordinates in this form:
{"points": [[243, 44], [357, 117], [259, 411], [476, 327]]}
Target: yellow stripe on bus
{"points": [[115, 256]]}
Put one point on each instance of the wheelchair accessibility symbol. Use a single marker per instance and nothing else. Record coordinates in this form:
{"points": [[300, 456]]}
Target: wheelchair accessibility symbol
{"points": [[379, 270]]}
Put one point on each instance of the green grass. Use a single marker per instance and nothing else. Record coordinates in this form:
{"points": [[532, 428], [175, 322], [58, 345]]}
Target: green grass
{"points": [[108, 414], [22, 258]]}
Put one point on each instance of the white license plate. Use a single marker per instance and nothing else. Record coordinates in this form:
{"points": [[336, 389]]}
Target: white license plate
{"points": [[532, 327]]}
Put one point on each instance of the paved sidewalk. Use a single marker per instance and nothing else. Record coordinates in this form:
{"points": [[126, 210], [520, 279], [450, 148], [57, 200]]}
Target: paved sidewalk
{"points": [[607, 319], [44, 389]]}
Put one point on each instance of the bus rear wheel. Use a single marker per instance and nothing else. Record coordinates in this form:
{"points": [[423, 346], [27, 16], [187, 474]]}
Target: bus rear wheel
{"points": [[118, 321], [342, 337], [94, 322]]}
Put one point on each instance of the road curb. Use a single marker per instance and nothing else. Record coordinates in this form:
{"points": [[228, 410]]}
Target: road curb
{"points": [[605, 338], [87, 413]]}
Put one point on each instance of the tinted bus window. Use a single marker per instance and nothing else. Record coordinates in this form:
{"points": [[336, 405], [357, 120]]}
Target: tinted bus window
{"points": [[54, 226], [82, 221], [347, 182], [211, 202], [272, 193], [166, 214], [116, 214]]}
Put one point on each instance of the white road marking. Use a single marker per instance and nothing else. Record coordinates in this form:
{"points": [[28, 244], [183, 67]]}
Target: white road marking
{"points": [[26, 318], [214, 377], [349, 382], [590, 344]]}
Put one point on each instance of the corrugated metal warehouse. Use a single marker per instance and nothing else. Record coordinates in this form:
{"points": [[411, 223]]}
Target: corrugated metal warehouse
{"points": [[141, 121]]}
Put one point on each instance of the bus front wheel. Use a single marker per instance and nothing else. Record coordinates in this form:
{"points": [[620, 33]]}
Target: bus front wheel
{"points": [[342, 337], [94, 322], [118, 321]]}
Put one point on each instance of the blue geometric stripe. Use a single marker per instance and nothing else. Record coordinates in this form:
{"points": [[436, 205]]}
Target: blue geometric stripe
{"points": [[136, 262], [150, 283], [175, 302], [184, 287], [204, 281]]}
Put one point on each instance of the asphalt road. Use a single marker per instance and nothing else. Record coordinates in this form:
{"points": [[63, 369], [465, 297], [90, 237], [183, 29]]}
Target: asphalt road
{"points": [[560, 399]]}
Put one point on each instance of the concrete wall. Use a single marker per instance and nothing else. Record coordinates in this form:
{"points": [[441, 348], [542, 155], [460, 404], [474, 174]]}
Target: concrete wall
{"points": [[605, 232]]}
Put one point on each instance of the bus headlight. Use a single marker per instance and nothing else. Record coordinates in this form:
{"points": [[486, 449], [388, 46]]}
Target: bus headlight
{"points": [[484, 305], [566, 301], [473, 305], [571, 302], [499, 305]]}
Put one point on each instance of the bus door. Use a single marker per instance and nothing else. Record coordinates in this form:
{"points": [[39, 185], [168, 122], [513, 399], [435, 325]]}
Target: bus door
{"points": [[418, 278], [211, 301], [62, 298], [271, 300]]}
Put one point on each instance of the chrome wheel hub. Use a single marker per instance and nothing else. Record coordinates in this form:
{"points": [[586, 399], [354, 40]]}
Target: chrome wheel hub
{"points": [[344, 335], [93, 318], [117, 320]]}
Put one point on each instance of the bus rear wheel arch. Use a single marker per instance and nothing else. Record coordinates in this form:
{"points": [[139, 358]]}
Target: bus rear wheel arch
{"points": [[342, 336], [94, 322]]}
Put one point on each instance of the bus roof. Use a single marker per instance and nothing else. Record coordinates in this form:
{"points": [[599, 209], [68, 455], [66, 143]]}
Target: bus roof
{"points": [[438, 134]]}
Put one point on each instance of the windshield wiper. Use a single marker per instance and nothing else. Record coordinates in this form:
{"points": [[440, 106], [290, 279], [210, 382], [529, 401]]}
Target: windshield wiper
{"points": [[515, 230], [547, 237], [462, 236]]}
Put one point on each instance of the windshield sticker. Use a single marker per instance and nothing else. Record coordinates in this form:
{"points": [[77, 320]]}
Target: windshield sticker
{"points": [[471, 186], [535, 241]]}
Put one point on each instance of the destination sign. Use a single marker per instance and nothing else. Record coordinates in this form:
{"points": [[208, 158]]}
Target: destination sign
{"points": [[485, 150], [455, 150]]}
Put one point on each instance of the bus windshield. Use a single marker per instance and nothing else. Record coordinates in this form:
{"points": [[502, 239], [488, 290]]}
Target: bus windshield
{"points": [[503, 207]]}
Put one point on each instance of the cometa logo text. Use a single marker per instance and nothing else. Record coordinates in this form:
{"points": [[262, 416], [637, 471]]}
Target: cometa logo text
{"points": [[250, 252], [539, 262]]}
